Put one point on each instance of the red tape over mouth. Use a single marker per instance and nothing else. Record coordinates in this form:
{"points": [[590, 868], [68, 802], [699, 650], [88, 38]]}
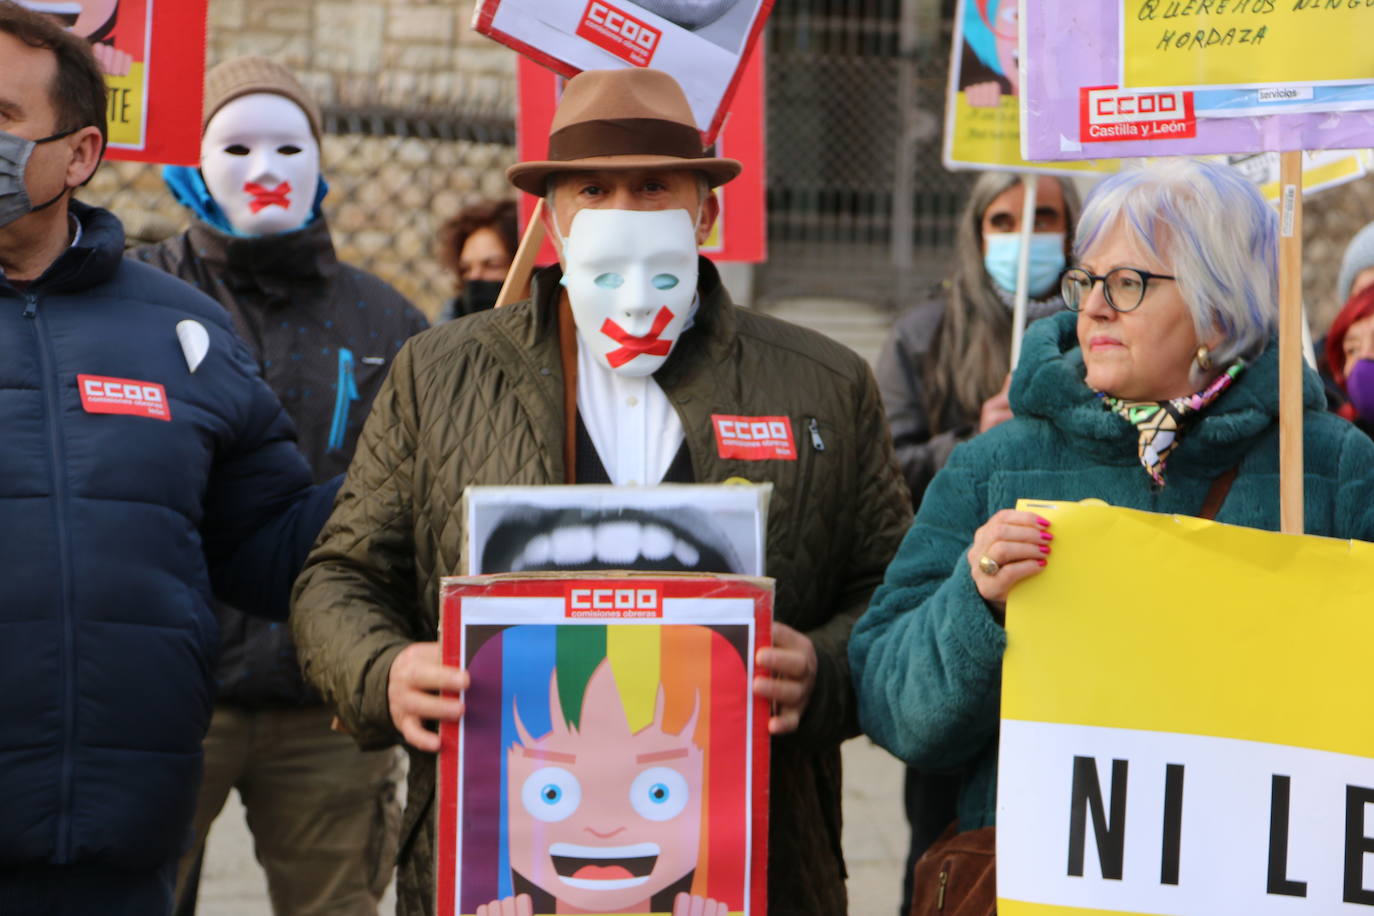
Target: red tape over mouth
{"points": [[268, 197], [631, 346]]}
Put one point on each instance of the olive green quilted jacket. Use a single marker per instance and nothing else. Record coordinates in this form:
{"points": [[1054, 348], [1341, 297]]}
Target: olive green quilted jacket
{"points": [[479, 402]]}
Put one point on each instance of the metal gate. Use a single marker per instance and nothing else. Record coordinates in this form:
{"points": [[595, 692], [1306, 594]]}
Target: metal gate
{"points": [[859, 205]]}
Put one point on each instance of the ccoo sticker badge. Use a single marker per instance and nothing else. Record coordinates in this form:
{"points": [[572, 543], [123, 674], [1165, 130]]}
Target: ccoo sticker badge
{"points": [[754, 438], [100, 394]]}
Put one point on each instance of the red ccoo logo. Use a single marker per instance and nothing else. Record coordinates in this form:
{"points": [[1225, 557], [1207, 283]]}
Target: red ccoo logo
{"points": [[126, 396], [1108, 113], [614, 30], [621, 602], [754, 438]]}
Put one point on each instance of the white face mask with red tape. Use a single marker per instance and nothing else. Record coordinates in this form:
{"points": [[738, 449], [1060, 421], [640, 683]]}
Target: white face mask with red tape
{"points": [[631, 277], [261, 163]]}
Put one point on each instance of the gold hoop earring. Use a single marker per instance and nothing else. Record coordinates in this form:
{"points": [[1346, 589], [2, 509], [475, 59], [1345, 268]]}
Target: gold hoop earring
{"points": [[1203, 358]]}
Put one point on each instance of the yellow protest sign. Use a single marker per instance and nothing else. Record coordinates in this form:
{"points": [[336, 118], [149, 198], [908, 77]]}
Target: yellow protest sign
{"points": [[989, 136], [1202, 43], [124, 114], [1185, 722]]}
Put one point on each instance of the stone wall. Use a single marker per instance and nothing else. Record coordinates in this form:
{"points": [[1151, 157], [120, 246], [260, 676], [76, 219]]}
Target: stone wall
{"points": [[401, 53], [388, 194]]}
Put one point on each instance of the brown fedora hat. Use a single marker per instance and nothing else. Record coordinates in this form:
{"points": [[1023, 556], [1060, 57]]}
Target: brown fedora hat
{"points": [[622, 119]]}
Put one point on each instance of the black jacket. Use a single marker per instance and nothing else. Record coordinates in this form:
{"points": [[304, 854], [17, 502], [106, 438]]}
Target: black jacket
{"points": [[324, 334], [114, 529]]}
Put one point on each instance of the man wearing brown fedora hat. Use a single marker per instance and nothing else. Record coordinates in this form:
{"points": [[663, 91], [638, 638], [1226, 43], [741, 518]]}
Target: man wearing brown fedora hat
{"points": [[628, 365]]}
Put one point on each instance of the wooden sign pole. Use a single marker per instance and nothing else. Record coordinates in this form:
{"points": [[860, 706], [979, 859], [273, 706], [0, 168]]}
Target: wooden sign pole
{"points": [[517, 284], [1290, 344], [1030, 184]]}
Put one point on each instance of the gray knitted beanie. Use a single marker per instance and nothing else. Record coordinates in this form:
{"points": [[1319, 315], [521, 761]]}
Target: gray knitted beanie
{"points": [[1359, 257]]}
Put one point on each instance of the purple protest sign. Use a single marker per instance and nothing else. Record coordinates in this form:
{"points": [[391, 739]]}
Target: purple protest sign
{"points": [[1073, 106]]}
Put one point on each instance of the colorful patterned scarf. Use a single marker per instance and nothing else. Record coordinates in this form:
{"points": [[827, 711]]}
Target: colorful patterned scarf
{"points": [[1161, 422]]}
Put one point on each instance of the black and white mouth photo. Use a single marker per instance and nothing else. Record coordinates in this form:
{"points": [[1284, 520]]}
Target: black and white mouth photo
{"points": [[698, 528], [683, 539]]}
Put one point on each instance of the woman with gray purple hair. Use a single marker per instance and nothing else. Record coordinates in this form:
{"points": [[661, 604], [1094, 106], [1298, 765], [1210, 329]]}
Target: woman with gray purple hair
{"points": [[1158, 390]]}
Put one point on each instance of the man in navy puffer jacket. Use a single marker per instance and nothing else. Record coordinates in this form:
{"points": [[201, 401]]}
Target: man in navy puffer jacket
{"points": [[144, 465]]}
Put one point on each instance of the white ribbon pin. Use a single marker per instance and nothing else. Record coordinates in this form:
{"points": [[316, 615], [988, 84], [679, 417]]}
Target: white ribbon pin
{"points": [[195, 342]]}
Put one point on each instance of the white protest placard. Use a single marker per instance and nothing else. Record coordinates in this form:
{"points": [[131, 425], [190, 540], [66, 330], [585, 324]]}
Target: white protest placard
{"points": [[704, 44]]}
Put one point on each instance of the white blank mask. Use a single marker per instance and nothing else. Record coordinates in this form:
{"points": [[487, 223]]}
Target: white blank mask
{"points": [[631, 277], [261, 163]]}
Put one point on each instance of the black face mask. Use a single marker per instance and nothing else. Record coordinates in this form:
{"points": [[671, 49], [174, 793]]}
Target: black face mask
{"points": [[479, 295]]}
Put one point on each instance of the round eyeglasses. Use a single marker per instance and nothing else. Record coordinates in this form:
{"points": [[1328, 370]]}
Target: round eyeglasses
{"points": [[1124, 286]]}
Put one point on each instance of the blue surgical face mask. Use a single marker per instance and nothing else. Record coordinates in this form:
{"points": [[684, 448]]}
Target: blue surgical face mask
{"points": [[1046, 260]]}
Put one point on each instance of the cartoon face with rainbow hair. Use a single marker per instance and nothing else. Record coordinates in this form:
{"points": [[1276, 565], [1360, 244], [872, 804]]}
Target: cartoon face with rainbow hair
{"points": [[610, 798]]}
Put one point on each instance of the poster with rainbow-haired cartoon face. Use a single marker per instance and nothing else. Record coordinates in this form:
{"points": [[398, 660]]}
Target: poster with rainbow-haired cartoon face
{"points": [[612, 757]]}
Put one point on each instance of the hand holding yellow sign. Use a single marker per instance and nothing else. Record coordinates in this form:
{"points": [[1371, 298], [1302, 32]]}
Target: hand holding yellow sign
{"points": [[1184, 721]]}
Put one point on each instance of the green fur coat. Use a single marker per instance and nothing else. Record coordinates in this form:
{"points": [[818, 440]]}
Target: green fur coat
{"points": [[927, 656]]}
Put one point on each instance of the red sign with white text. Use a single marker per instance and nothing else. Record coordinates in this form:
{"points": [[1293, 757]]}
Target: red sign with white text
{"points": [[754, 438], [616, 602], [154, 66], [614, 30], [131, 397], [1107, 113]]}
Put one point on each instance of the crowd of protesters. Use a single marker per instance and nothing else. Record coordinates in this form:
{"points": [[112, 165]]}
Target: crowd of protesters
{"points": [[185, 420]]}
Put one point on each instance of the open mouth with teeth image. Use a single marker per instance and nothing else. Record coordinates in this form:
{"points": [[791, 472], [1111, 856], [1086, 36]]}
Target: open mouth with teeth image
{"points": [[604, 867], [602, 799], [672, 539]]}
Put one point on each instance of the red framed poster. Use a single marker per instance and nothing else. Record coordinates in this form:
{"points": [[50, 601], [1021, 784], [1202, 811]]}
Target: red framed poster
{"points": [[704, 44], [153, 56], [612, 756], [741, 231]]}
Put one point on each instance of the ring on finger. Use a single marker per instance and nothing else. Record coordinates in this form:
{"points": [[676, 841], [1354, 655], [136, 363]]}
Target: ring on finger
{"points": [[988, 565]]}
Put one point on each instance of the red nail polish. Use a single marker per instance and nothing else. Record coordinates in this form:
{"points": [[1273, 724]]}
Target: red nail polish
{"points": [[1044, 522], [1044, 549], [1046, 536], [1041, 562]]}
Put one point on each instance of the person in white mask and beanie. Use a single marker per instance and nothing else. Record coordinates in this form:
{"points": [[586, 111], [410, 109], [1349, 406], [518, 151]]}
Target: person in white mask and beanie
{"points": [[628, 365], [323, 814]]}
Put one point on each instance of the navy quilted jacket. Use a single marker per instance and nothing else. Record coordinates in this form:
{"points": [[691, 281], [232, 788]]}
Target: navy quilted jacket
{"points": [[114, 530]]}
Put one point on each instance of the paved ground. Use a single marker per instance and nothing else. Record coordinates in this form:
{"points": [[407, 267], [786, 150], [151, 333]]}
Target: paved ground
{"points": [[874, 845]]}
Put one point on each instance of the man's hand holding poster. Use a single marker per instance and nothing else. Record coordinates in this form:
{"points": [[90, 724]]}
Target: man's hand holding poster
{"points": [[1184, 722]]}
